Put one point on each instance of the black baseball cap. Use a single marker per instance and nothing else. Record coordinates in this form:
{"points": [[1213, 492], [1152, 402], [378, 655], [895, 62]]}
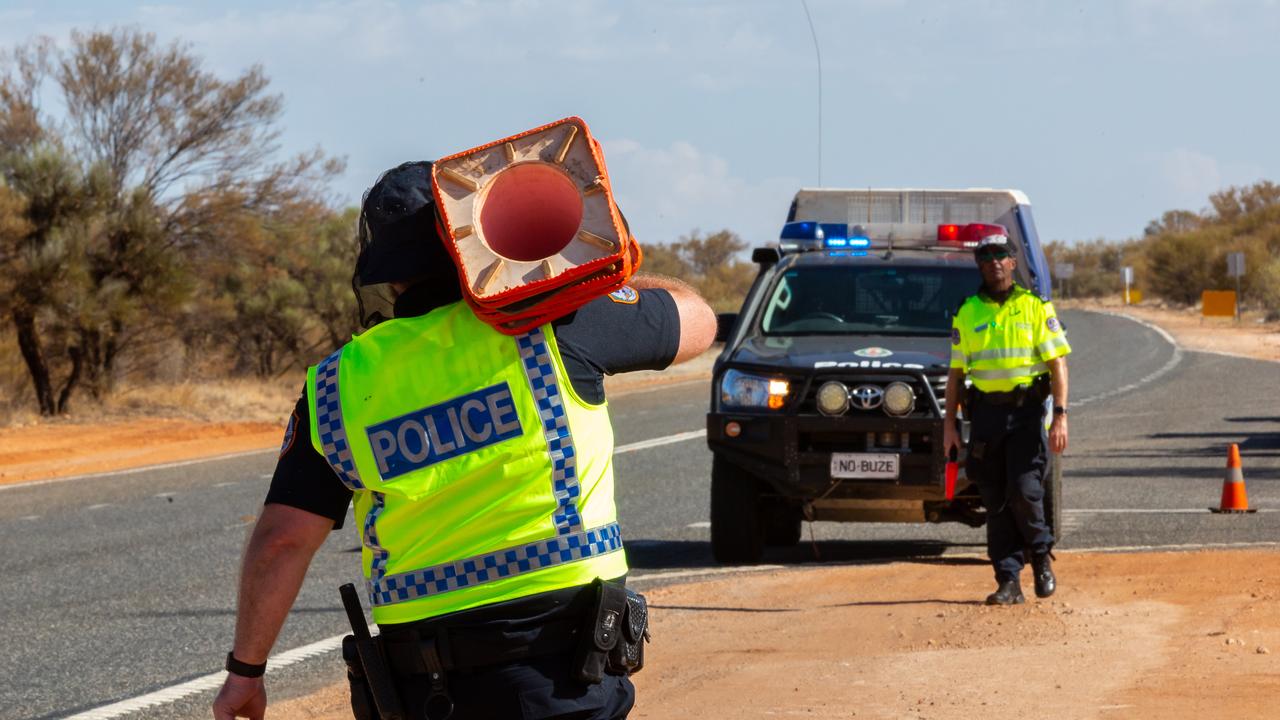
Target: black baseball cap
{"points": [[399, 241]]}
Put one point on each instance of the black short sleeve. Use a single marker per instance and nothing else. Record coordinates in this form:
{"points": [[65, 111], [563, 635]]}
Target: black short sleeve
{"points": [[303, 478], [624, 331]]}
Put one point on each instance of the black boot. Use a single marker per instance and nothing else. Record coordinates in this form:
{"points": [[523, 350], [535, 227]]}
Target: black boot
{"points": [[1042, 569], [1009, 593]]}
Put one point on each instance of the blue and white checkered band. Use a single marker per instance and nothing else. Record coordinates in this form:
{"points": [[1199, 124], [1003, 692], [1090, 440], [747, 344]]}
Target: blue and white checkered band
{"points": [[535, 354], [472, 571], [333, 435], [378, 566]]}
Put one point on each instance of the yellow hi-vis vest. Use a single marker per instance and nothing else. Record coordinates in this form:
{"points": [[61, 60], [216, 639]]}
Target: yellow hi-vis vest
{"points": [[1003, 346], [480, 475]]}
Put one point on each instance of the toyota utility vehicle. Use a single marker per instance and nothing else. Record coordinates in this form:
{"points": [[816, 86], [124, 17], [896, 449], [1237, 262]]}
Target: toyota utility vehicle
{"points": [[827, 401]]}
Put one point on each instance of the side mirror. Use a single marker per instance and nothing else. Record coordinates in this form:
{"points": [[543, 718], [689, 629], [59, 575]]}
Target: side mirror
{"points": [[724, 325]]}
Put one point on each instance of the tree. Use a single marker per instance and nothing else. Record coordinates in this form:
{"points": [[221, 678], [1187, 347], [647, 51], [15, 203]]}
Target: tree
{"points": [[175, 155], [709, 263]]}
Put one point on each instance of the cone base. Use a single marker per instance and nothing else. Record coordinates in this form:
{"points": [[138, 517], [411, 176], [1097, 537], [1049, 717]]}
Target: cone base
{"points": [[1227, 511]]}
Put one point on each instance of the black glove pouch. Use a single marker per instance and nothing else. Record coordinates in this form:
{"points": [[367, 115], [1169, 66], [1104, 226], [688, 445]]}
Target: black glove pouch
{"points": [[614, 634]]}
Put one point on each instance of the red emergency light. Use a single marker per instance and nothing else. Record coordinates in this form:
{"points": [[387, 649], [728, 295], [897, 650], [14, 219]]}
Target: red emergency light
{"points": [[973, 232], [948, 234]]}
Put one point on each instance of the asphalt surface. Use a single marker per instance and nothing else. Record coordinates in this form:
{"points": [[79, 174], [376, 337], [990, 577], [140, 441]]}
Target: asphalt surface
{"points": [[123, 585]]}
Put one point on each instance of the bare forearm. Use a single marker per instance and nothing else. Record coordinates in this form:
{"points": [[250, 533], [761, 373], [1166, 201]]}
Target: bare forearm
{"points": [[653, 281], [275, 564], [955, 383], [1058, 381]]}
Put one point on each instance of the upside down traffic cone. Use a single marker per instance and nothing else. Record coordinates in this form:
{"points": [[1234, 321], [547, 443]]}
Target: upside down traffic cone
{"points": [[1234, 499]]}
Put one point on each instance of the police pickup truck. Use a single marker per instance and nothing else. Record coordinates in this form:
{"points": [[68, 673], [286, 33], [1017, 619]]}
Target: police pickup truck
{"points": [[827, 401]]}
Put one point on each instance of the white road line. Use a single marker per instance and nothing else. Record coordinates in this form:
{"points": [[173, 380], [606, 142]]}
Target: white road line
{"points": [[1187, 546], [291, 657], [620, 450], [658, 442], [1173, 362], [29, 517], [99, 506], [1150, 511], [225, 484], [706, 571], [703, 524], [165, 494], [211, 681], [135, 471]]}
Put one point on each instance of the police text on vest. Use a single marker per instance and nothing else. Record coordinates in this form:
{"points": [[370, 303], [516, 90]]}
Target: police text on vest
{"points": [[446, 430]]}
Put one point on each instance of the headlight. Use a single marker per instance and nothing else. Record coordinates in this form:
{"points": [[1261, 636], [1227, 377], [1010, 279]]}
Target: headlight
{"points": [[899, 398], [833, 398], [740, 390]]}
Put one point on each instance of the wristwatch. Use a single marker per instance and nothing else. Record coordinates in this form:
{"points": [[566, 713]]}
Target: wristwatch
{"points": [[1059, 410], [244, 669]]}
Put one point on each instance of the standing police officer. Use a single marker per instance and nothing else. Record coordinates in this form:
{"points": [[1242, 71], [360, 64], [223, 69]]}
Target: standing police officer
{"points": [[1013, 349], [481, 470]]}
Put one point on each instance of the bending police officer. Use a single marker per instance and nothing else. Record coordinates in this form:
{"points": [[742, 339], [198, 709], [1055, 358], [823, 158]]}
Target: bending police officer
{"points": [[1011, 346], [480, 467]]}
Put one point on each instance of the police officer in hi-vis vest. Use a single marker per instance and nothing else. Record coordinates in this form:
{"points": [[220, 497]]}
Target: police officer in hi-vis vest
{"points": [[1011, 346], [480, 466]]}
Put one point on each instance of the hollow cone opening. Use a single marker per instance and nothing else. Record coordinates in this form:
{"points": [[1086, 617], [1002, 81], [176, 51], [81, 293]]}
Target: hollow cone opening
{"points": [[530, 211]]}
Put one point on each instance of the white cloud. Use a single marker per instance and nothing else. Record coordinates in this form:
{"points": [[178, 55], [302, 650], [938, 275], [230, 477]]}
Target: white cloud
{"points": [[1190, 177], [669, 191]]}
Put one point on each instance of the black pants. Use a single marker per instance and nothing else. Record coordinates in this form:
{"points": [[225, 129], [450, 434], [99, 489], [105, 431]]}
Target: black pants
{"points": [[1008, 455], [536, 689]]}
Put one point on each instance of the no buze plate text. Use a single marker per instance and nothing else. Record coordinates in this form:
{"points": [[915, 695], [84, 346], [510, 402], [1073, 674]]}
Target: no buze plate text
{"points": [[864, 465]]}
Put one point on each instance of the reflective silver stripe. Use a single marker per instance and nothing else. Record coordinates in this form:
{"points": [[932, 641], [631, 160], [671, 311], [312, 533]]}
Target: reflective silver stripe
{"points": [[1003, 354], [1009, 373], [1052, 344], [329, 426], [959, 357], [535, 357], [492, 566]]}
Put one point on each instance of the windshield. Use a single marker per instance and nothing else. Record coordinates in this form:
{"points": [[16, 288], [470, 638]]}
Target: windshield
{"points": [[844, 300]]}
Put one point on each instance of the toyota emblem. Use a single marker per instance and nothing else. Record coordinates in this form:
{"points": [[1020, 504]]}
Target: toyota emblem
{"points": [[867, 397]]}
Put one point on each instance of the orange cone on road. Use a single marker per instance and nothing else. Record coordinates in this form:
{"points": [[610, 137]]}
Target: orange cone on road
{"points": [[1234, 499]]}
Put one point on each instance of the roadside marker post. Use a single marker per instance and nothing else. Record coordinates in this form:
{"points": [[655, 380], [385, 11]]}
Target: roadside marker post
{"points": [[1235, 269]]}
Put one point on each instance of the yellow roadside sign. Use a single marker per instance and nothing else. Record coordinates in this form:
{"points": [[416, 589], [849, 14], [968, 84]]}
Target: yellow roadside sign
{"points": [[1218, 303]]}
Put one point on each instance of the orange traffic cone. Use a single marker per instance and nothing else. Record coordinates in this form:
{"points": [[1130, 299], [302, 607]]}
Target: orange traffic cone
{"points": [[1234, 499]]}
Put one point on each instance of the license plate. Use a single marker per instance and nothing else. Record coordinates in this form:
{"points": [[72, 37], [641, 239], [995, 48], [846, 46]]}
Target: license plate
{"points": [[864, 465]]}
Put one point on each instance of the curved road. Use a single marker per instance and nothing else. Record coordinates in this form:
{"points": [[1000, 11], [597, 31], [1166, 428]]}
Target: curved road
{"points": [[124, 585]]}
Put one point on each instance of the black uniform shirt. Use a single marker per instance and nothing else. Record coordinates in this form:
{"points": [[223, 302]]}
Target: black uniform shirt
{"points": [[621, 332]]}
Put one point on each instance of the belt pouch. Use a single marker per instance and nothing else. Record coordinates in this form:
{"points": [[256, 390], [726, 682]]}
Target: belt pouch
{"points": [[627, 657], [362, 707], [601, 632]]}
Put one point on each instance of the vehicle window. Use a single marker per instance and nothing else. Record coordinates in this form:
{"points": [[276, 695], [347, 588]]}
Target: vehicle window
{"points": [[867, 300]]}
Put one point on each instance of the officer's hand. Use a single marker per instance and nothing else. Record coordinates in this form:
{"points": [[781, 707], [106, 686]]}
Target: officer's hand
{"points": [[240, 697], [1058, 434], [950, 441]]}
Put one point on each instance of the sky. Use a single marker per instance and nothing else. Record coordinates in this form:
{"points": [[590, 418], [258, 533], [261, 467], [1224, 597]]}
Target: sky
{"points": [[1105, 113]]}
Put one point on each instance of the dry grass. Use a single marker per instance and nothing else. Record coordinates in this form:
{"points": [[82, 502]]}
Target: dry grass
{"points": [[241, 400]]}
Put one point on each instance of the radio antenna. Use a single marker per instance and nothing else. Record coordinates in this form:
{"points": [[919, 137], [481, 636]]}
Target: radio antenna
{"points": [[817, 52]]}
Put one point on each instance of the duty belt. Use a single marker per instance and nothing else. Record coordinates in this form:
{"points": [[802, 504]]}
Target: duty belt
{"points": [[463, 649], [1037, 391]]}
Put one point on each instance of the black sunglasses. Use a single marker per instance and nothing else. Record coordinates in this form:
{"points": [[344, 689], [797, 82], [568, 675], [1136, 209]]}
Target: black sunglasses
{"points": [[992, 255]]}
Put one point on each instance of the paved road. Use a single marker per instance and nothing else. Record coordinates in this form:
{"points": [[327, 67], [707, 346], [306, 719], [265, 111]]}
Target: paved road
{"points": [[124, 585]]}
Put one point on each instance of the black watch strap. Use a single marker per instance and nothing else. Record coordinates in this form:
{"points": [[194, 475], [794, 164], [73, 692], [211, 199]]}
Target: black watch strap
{"points": [[244, 669], [1059, 410]]}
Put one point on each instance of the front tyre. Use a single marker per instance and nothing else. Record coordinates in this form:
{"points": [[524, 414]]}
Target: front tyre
{"points": [[1053, 497], [737, 530]]}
